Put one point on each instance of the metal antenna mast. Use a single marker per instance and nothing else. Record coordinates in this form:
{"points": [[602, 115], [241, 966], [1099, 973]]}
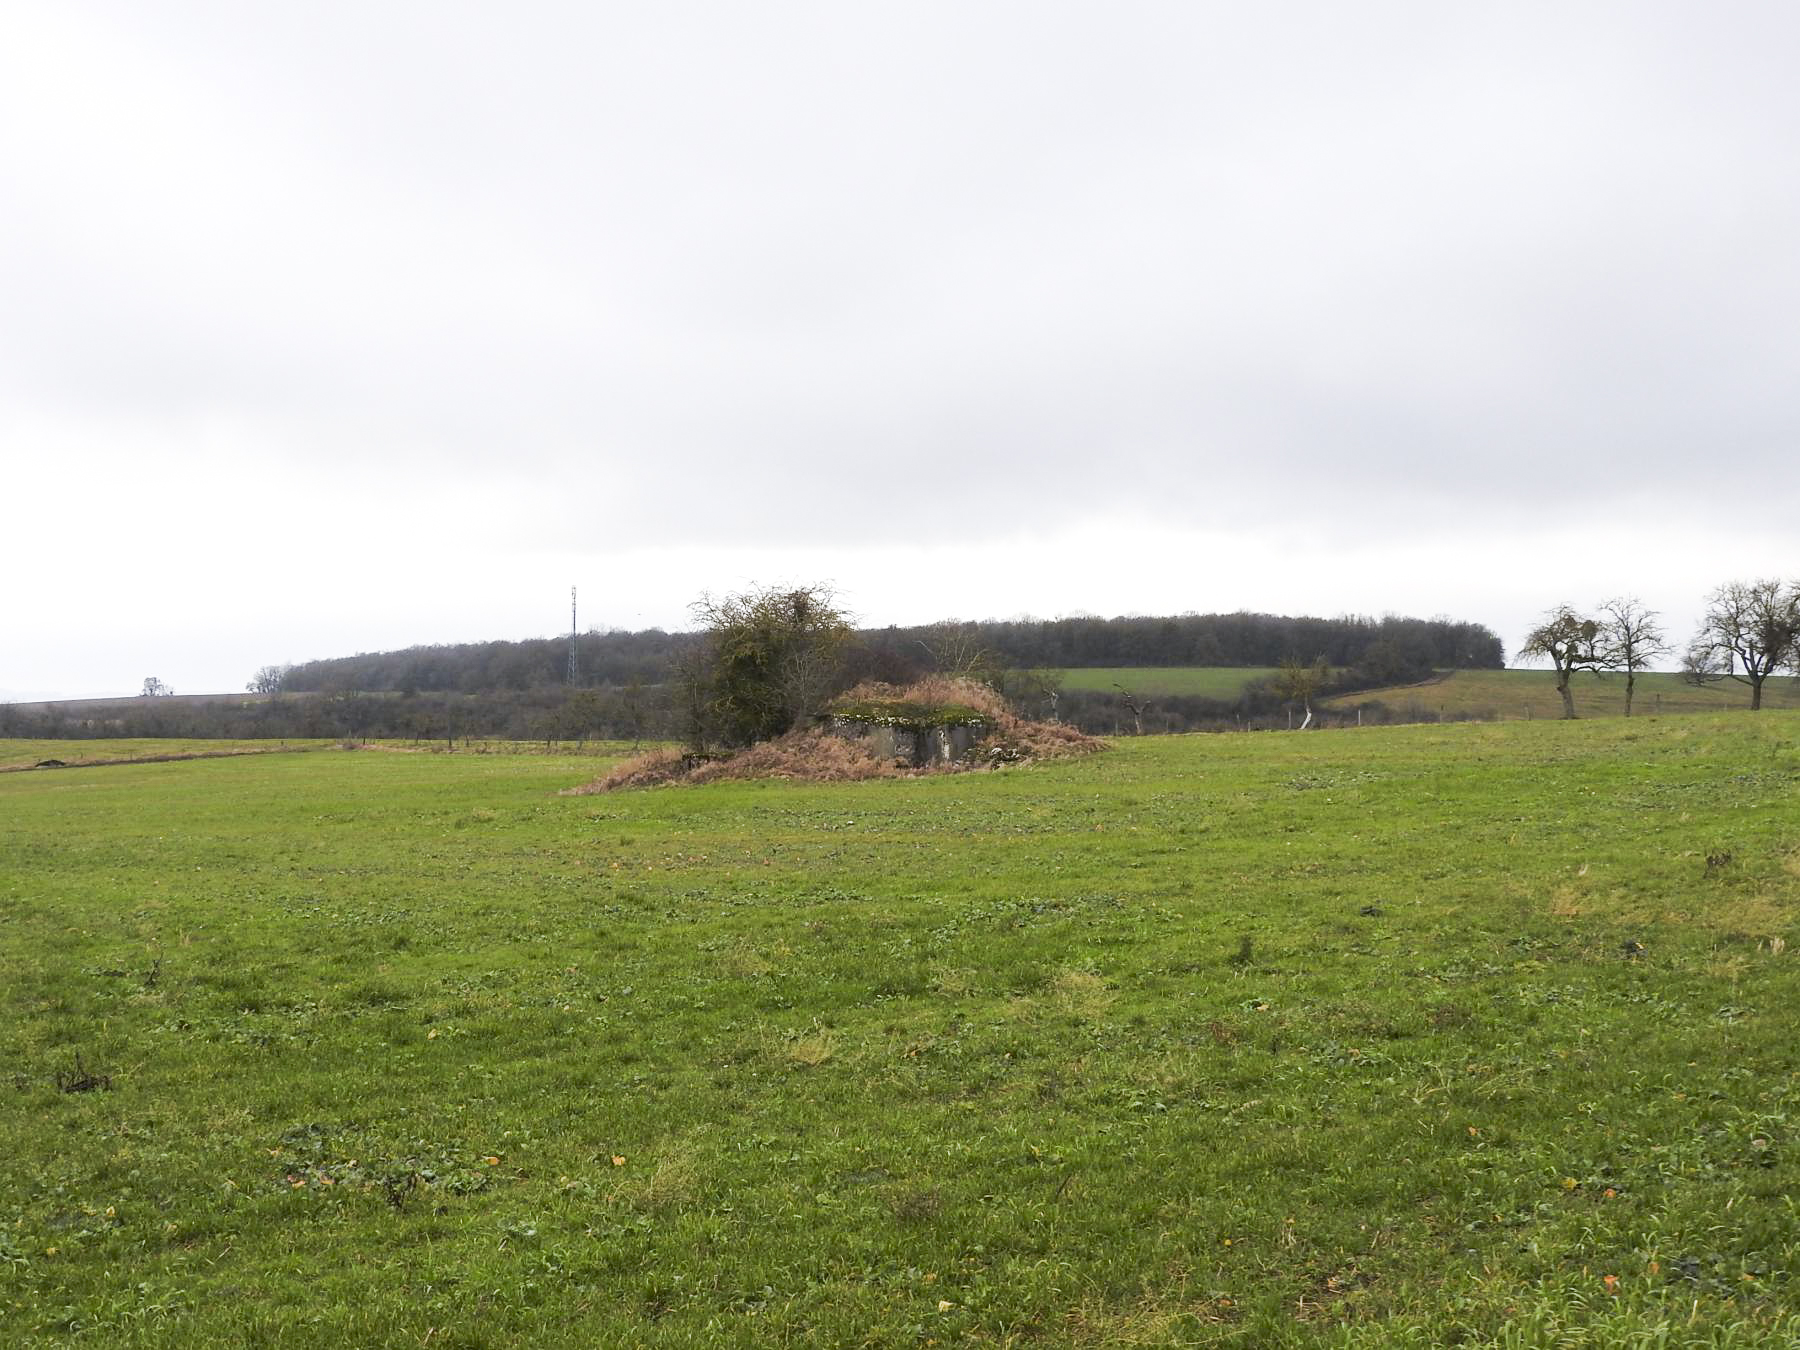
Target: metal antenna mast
{"points": [[573, 669]]}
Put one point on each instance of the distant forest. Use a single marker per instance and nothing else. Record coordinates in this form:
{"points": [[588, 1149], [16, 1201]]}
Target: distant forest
{"points": [[625, 681], [1386, 650]]}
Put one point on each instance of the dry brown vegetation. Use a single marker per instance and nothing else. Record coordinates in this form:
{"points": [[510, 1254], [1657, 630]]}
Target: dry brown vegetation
{"points": [[814, 755]]}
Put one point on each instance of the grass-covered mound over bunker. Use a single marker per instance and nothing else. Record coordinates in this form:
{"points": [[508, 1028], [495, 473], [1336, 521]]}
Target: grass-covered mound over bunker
{"points": [[873, 731], [1477, 1034]]}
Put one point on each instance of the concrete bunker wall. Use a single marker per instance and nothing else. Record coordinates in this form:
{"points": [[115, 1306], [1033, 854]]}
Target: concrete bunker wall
{"points": [[916, 744]]}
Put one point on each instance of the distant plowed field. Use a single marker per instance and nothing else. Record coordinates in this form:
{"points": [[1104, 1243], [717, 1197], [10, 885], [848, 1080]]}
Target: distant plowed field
{"points": [[1507, 694]]}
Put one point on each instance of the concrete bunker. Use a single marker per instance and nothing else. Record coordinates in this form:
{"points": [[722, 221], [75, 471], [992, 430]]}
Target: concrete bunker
{"points": [[916, 734]]}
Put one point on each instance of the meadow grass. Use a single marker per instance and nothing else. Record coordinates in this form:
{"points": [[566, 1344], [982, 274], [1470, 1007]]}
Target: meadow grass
{"points": [[1220, 682], [1531, 695], [1478, 1034]]}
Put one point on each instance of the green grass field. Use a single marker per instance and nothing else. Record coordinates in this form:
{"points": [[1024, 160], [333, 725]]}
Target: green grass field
{"points": [[1479, 1034], [1507, 694], [1221, 682]]}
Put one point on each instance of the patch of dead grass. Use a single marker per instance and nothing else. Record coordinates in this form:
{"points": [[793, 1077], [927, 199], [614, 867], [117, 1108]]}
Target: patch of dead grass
{"points": [[1755, 917], [1728, 966], [745, 963], [952, 981], [673, 1183], [1147, 1320], [813, 1050], [1565, 902], [1082, 993]]}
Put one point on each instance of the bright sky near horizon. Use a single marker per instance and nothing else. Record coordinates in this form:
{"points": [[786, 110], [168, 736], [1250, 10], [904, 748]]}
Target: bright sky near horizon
{"points": [[340, 327]]}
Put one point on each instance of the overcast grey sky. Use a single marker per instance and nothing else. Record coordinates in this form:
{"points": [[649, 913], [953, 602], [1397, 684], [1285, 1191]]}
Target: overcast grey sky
{"points": [[330, 327]]}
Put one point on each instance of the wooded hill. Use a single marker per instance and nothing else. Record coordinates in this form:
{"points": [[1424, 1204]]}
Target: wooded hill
{"points": [[625, 686], [1386, 650]]}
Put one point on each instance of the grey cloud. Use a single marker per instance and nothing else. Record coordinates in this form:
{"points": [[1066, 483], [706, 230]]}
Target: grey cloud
{"points": [[726, 260]]}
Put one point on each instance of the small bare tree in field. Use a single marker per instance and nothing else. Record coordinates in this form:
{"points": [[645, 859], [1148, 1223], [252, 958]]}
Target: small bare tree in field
{"points": [[1751, 630], [1572, 642], [1137, 708], [1634, 638], [1298, 682], [1038, 688]]}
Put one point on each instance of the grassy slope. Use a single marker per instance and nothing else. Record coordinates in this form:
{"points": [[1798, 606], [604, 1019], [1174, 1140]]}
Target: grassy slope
{"points": [[1251, 1040], [1532, 694], [1224, 682]]}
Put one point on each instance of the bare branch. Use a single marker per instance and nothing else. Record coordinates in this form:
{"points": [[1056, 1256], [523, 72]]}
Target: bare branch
{"points": [[1751, 629], [1571, 642]]}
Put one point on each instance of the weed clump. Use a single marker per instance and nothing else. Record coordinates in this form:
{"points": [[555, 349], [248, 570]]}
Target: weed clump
{"points": [[82, 1081], [917, 1206]]}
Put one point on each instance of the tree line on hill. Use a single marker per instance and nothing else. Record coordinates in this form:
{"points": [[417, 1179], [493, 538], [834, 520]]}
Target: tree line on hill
{"points": [[639, 686], [602, 659], [639, 712], [1389, 649]]}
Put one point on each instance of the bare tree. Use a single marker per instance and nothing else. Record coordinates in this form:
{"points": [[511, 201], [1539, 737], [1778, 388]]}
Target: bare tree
{"points": [[631, 706], [268, 680], [1298, 682], [1751, 629], [1137, 708], [1633, 637], [1572, 642], [155, 688], [956, 649], [807, 674], [1038, 688], [693, 694]]}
